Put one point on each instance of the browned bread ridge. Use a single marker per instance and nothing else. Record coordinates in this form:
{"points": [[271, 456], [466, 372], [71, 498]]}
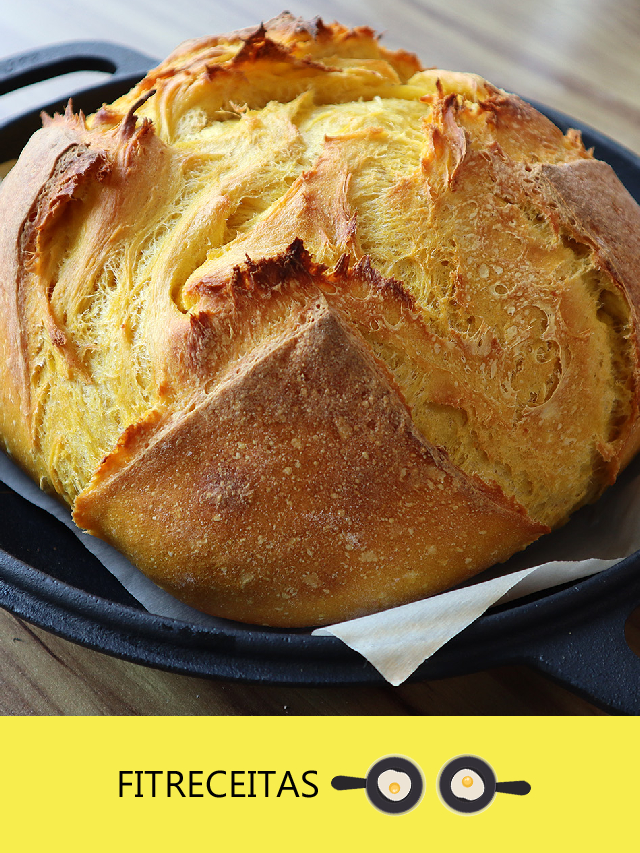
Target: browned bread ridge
{"points": [[308, 331]]}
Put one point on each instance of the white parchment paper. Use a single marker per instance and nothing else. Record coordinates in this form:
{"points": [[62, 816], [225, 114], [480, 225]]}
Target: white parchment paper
{"points": [[397, 641]]}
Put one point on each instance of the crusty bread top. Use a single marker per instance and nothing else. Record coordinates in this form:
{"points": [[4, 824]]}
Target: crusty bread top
{"points": [[482, 264]]}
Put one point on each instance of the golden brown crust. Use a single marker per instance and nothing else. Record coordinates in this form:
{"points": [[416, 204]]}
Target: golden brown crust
{"points": [[297, 37], [288, 460], [612, 227], [19, 195], [294, 320]]}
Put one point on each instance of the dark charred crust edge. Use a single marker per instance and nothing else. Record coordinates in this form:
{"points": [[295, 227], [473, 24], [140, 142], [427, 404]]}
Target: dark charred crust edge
{"points": [[128, 125], [365, 272], [296, 264], [258, 47], [316, 28], [267, 274]]}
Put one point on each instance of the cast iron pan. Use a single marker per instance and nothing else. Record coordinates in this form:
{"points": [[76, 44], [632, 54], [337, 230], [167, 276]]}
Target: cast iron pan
{"points": [[574, 635]]}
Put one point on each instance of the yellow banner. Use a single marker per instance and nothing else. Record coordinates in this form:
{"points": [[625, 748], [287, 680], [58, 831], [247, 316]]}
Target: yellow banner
{"points": [[270, 784]]}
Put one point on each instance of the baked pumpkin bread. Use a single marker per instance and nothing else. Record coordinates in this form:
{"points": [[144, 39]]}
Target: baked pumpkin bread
{"points": [[308, 331]]}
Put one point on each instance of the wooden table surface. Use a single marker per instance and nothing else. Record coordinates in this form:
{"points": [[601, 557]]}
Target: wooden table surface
{"points": [[579, 56]]}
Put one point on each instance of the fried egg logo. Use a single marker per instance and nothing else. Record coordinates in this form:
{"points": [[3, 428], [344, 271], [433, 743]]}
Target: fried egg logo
{"points": [[467, 785], [393, 784]]}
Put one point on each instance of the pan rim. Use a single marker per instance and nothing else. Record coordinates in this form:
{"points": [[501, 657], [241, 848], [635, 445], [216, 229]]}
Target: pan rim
{"points": [[275, 656]]}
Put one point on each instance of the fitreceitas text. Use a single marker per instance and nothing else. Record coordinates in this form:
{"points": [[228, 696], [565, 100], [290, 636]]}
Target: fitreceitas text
{"points": [[218, 783]]}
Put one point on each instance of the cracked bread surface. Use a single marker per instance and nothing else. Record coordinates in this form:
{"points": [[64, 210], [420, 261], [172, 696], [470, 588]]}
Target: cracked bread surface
{"points": [[308, 331]]}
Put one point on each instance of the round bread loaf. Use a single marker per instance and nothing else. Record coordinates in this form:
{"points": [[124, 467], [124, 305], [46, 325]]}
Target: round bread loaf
{"points": [[308, 331]]}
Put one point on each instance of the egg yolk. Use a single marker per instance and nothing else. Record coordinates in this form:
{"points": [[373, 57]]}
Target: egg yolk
{"points": [[467, 781], [394, 788]]}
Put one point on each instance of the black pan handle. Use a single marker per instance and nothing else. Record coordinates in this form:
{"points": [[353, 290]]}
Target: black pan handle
{"points": [[348, 783], [594, 660], [518, 789], [56, 59]]}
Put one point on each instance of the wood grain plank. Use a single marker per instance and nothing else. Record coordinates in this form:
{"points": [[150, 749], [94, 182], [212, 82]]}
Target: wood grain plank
{"points": [[41, 674]]}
